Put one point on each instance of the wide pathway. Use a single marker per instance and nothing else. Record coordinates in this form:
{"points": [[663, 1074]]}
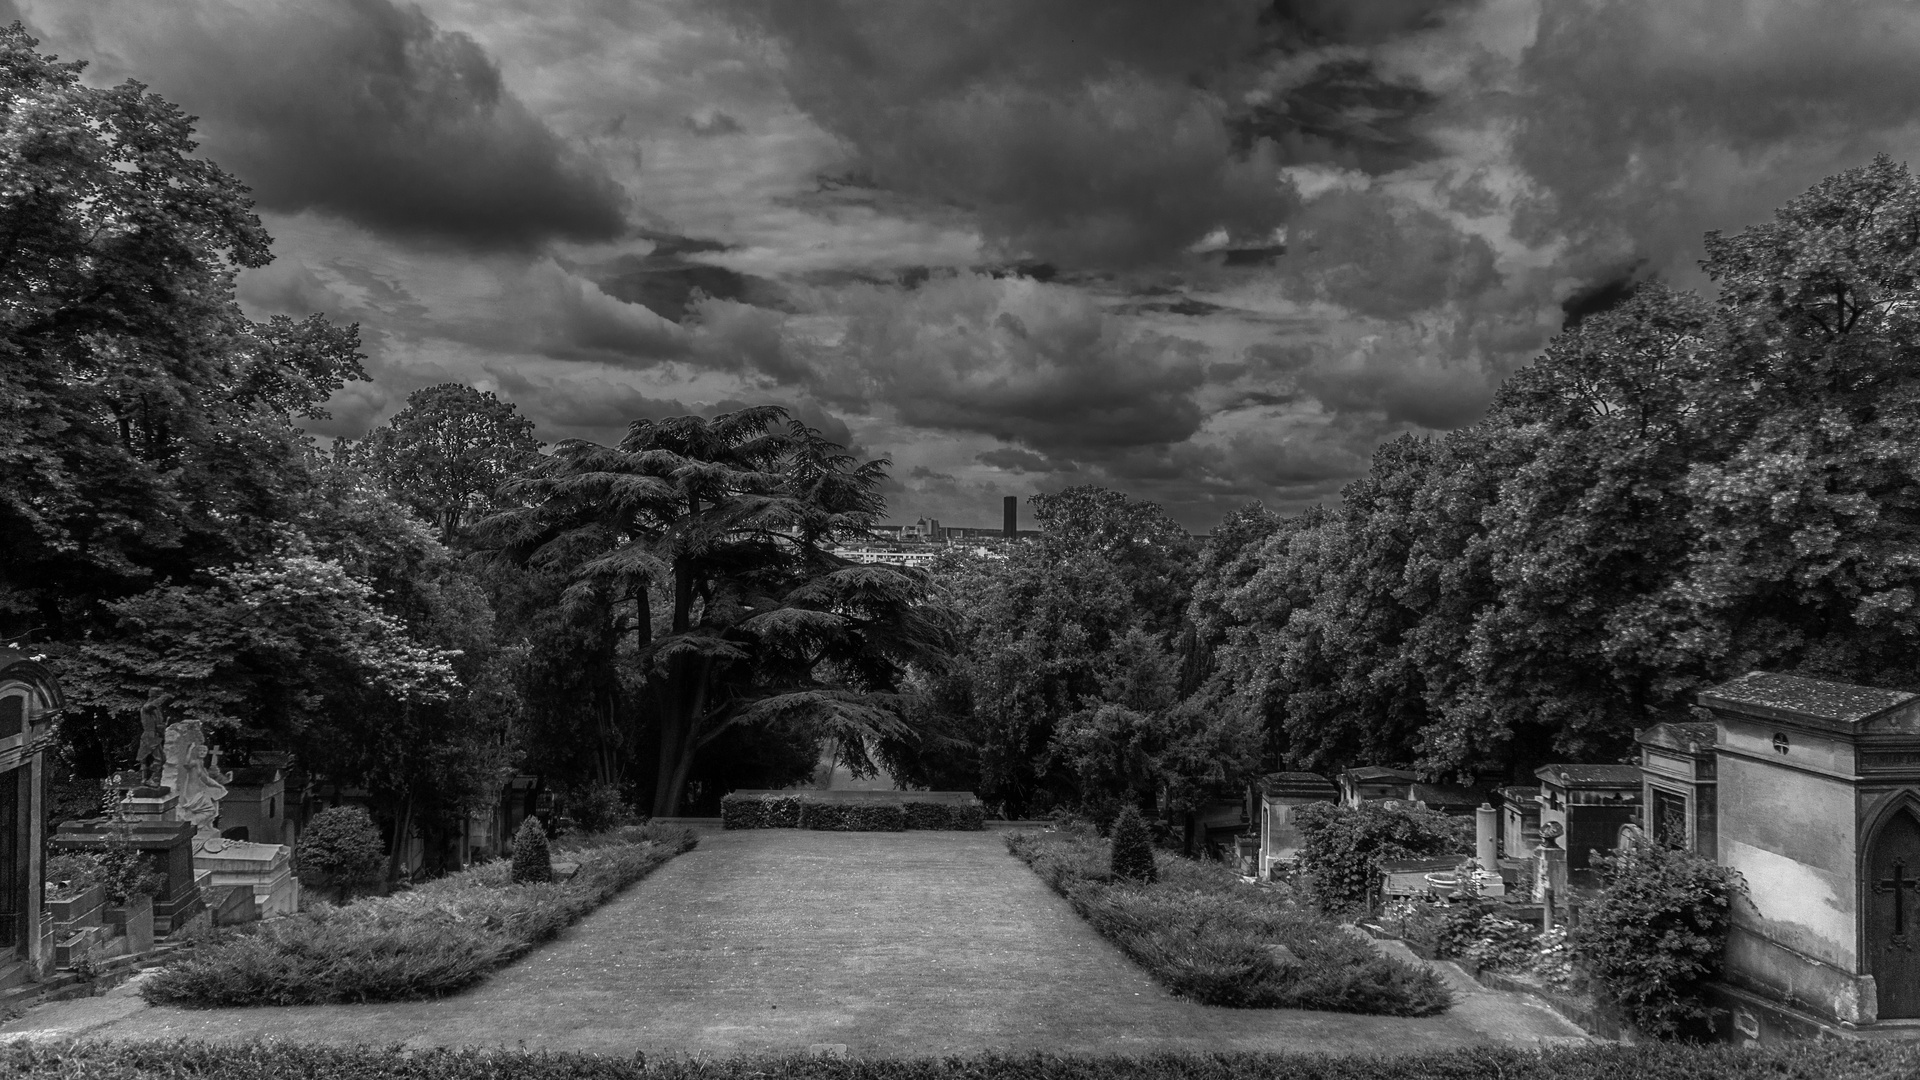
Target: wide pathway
{"points": [[900, 944]]}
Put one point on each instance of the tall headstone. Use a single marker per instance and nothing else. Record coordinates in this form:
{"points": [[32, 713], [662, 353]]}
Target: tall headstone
{"points": [[1819, 810]]}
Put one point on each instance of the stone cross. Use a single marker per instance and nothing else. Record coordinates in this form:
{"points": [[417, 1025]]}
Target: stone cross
{"points": [[1898, 884]]}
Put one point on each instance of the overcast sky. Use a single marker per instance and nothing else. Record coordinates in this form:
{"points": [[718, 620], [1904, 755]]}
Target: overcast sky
{"points": [[1011, 244]]}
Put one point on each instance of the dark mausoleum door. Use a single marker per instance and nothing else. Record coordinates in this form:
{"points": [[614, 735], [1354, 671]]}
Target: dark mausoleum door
{"points": [[1893, 917], [13, 866]]}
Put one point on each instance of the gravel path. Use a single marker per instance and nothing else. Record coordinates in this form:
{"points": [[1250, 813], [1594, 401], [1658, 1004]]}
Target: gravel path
{"points": [[901, 944]]}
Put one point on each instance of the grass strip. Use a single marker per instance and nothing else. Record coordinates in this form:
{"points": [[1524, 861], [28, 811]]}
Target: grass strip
{"points": [[428, 942], [1205, 935], [281, 1061]]}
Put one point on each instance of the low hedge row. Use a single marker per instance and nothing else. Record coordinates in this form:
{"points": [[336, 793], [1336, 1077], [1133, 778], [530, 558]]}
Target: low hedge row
{"points": [[769, 811], [1206, 936], [428, 942], [284, 1061]]}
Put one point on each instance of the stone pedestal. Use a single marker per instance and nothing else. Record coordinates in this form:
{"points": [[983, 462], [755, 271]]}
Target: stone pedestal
{"points": [[266, 870], [168, 849]]}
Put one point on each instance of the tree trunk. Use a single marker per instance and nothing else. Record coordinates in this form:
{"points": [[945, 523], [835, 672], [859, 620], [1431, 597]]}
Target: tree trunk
{"points": [[402, 830]]}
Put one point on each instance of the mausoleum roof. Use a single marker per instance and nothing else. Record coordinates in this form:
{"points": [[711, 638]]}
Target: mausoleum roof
{"points": [[1590, 776], [1377, 772], [1680, 736], [1813, 702], [1298, 784]]}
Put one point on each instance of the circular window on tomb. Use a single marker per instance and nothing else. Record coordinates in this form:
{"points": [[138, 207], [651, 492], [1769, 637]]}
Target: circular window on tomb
{"points": [[1780, 743]]}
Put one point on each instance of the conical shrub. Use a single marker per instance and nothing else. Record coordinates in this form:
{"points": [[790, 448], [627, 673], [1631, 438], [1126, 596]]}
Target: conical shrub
{"points": [[1132, 847], [531, 859]]}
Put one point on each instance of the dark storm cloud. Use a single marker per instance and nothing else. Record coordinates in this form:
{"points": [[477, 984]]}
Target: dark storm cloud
{"points": [[1370, 254], [1017, 359], [1647, 122], [1074, 129], [363, 109]]}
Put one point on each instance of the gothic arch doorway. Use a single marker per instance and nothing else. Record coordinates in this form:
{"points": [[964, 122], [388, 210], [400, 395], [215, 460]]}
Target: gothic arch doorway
{"points": [[1893, 915]]}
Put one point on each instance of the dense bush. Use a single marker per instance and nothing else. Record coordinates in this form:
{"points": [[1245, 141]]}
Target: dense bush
{"points": [[752, 811], [532, 858], [288, 1061], [342, 847], [598, 807], [1132, 848], [1341, 849], [853, 817], [757, 810], [955, 817], [1206, 935], [1656, 933], [1481, 935], [428, 942]]}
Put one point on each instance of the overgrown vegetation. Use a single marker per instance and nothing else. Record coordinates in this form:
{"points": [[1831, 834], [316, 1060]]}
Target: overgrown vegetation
{"points": [[1342, 849], [1206, 935], [431, 941], [1657, 932]]}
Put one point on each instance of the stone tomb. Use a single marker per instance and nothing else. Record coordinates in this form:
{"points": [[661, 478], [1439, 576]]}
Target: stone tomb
{"points": [[1280, 794], [1679, 802], [1819, 811], [165, 844]]}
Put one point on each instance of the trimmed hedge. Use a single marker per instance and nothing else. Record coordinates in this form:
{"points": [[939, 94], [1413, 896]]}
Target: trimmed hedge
{"points": [[956, 817], [1205, 935], [853, 817], [427, 942], [284, 1061], [782, 811]]}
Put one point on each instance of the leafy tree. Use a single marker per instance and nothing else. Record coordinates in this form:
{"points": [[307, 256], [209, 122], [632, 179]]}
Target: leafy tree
{"points": [[703, 547], [448, 452], [144, 421], [1342, 849]]}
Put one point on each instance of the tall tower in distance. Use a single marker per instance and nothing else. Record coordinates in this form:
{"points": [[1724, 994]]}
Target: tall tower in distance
{"points": [[1012, 516]]}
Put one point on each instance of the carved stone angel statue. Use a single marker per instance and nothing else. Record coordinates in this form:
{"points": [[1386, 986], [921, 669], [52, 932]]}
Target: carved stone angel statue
{"points": [[198, 785]]}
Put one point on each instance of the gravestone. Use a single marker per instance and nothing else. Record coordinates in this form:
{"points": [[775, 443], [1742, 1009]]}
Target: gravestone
{"points": [[1819, 811]]}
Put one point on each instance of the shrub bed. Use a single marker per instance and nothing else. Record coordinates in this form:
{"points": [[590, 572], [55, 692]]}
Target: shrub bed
{"points": [[782, 811], [1206, 935], [283, 1061], [431, 941]]}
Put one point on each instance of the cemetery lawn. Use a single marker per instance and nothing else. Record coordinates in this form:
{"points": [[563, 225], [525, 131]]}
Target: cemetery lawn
{"points": [[773, 941], [431, 941], [1206, 935], [284, 1061]]}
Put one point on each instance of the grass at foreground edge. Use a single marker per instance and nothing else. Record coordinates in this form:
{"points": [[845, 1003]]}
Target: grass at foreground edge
{"points": [[1205, 935], [431, 941], [282, 1061]]}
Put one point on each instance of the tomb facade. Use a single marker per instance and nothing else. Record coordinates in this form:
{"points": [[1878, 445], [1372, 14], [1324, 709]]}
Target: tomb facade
{"points": [[1818, 791]]}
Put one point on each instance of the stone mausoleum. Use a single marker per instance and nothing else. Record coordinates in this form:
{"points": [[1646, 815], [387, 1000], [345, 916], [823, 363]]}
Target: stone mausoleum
{"points": [[1818, 808], [28, 699]]}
